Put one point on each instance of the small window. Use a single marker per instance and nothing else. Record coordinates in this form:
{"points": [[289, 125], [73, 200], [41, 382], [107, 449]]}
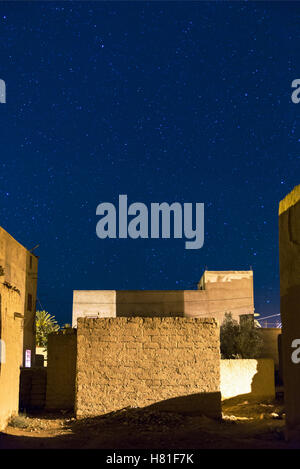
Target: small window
{"points": [[29, 302], [30, 262]]}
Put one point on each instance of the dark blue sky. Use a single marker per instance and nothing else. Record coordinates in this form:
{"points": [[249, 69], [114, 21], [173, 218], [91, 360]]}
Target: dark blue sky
{"points": [[163, 101]]}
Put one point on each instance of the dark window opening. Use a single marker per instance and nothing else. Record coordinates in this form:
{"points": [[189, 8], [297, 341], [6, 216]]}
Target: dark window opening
{"points": [[29, 302]]}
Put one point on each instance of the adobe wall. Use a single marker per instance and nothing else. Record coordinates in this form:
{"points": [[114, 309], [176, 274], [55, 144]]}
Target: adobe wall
{"points": [[11, 353], [98, 303], [12, 302], [270, 343], [228, 291], [218, 292], [33, 382], [41, 352], [30, 309], [149, 303], [20, 270], [252, 378], [289, 259], [171, 363], [61, 370]]}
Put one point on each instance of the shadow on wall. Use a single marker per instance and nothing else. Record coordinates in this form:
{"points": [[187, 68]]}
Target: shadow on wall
{"points": [[192, 404], [206, 404], [254, 378], [263, 382]]}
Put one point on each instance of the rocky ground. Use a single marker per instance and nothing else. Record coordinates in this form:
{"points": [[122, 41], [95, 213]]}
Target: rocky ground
{"points": [[245, 424]]}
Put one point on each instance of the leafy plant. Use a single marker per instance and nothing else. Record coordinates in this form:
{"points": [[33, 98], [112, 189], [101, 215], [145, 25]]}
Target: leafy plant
{"points": [[67, 326], [45, 324], [229, 333], [242, 340], [67, 329]]}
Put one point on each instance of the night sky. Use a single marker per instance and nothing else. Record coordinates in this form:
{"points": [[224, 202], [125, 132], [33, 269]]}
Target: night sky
{"points": [[164, 102]]}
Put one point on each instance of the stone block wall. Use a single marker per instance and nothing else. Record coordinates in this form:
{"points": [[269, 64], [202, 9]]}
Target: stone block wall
{"points": [[169, 363]]}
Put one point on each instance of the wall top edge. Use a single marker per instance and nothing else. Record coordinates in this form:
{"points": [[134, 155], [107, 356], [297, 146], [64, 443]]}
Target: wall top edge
{"points": [[290, 199]]}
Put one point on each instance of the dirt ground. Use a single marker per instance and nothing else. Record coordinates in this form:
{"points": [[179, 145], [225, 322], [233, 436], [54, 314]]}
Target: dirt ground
{"points": [[245, 425]]}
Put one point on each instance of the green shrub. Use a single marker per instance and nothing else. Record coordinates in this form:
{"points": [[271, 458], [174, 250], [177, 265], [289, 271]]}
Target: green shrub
{"points": [[242, 340]]}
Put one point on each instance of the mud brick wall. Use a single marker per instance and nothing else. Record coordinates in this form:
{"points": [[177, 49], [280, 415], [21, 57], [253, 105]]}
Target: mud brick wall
{"points": [[33, 383], [270, 343], [61, 370], [289, 261], [171, 363]]}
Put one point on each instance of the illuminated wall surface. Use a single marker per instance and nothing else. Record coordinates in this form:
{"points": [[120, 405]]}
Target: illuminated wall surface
{"points": [[251, 378], [289, 256], [17, 325], [172, 363], [155, 361]]}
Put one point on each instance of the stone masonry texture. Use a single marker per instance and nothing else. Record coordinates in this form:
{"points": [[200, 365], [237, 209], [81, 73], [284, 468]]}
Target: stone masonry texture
{"points": [[169, 362]]}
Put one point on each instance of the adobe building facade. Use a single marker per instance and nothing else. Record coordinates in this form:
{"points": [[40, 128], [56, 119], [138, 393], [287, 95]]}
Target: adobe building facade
{"points": [[18, 283], [218, 292], [167, 363], [289, 259]]}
